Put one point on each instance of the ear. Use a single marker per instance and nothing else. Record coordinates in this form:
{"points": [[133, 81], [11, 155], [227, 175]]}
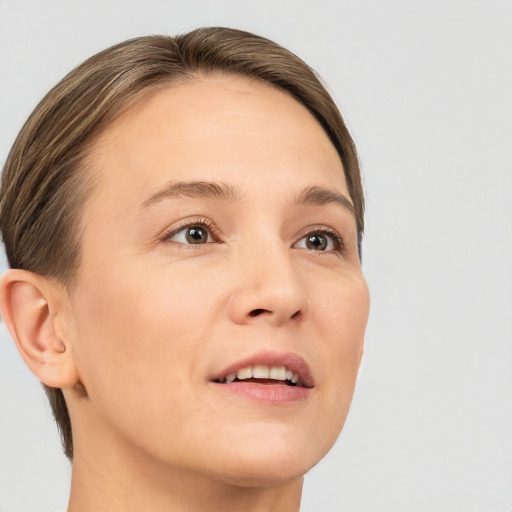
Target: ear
{"points": [[30, 306]]}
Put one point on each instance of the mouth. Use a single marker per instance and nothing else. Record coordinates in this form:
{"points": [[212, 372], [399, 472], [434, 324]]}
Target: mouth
{"points": [[262, 374], [268, 369]]}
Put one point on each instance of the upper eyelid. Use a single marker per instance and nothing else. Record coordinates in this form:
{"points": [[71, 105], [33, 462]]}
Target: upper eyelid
{"points": [[176, 227], [318, 228], [339, 240]]}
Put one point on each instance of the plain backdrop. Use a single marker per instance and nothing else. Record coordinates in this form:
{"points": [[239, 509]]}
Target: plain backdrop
{"points": [[425, 87]]}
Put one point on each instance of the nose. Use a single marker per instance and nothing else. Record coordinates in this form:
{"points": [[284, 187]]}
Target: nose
{"points": [[269, 289]]}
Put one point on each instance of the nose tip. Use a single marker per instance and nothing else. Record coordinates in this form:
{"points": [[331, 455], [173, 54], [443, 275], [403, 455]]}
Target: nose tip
{"points": [[273, 292]]}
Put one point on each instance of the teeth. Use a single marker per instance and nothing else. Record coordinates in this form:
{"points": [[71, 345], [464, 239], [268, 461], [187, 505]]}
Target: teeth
{"points": [[260, 371], [245, 373], [230, 377], [278, 373]]}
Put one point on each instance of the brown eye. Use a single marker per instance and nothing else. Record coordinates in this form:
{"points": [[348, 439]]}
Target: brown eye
{"points": [[317, 242], [192, 235], [321, 240], [196, 235]]}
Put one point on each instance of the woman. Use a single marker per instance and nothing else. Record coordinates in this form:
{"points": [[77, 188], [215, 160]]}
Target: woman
{"points": [[182, 218]]}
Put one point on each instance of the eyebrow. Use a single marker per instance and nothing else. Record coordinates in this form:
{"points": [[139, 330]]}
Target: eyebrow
{"points": [[312, 195], [205, 189], [321, 196]]}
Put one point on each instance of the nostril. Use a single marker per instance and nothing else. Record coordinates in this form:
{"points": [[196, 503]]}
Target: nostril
{"points": [[261, 311], [258, 312]]}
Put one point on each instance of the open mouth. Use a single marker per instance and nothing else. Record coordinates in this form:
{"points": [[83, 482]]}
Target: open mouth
{"points": [[266, 375]]}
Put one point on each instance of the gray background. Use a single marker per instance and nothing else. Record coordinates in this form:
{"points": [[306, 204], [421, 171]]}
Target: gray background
{"points": [[425, 88]]}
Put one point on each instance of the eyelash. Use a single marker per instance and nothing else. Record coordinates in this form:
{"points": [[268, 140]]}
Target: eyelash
{"points": [[197, 221], [337, 240]]}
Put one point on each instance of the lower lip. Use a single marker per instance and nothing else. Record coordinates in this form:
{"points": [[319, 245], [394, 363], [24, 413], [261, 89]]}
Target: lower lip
{"points": [[274, 394]]}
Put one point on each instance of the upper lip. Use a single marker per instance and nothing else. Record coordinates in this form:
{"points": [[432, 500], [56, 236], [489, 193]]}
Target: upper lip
{"points": [[291, 361]]}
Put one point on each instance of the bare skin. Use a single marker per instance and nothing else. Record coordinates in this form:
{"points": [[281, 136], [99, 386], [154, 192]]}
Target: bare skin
{"points": [[219, 236]]}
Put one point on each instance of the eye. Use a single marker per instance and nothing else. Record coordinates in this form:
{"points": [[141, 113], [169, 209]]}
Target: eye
{"points": [[321, 240], [191, 234]]}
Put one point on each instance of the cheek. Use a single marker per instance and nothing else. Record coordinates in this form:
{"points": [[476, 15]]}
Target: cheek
{"points": [[140, 337], [341, 315], [340, 311], [143, 326], [136, 329]]}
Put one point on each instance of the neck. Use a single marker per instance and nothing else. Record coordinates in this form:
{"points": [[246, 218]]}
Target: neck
{"points": [[117, 483]]}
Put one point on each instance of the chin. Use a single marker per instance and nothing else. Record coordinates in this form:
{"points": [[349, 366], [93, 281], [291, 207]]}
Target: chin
{"points": [[270, 460], [265, 473]]}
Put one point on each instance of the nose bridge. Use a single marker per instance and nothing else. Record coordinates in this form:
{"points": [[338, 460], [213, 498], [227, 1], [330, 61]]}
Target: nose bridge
{"points": [[270, 285]]}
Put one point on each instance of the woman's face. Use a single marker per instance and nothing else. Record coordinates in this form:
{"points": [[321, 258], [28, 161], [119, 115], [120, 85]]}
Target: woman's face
{"points": [[217, 239]]}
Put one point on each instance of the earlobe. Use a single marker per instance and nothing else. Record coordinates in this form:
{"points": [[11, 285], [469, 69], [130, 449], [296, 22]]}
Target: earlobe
{"points": [[29, 309]]}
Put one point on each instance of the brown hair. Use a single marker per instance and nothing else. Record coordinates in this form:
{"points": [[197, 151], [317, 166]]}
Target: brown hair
{"points": [[45, 182]]}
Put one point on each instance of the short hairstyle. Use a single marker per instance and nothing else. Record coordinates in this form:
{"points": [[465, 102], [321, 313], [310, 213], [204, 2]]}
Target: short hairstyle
{"points": [[45, 182]]}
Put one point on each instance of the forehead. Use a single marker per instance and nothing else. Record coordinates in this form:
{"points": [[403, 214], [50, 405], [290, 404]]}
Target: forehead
{"points": [[220, 127]]}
